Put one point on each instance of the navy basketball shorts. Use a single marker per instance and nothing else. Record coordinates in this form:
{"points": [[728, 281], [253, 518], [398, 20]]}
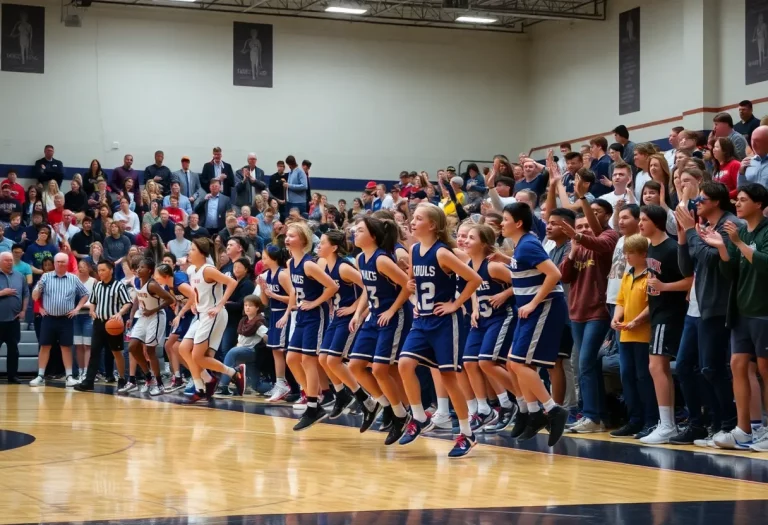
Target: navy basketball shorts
{"points": [[537, 337], [278, 337], [382, 344], [492, 339], [434, 342], [309, 330], [338, 339]]}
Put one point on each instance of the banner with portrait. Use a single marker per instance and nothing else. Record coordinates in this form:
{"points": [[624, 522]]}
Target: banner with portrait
{"points": [[629, 61], [252, 55], [22, 38], [756, 41]]}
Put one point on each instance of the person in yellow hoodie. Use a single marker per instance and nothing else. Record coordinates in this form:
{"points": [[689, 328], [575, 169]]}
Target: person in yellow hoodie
{"points": [[632, 319]]}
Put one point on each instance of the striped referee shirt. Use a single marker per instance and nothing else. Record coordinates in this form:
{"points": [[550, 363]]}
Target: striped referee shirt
{"points": [[61, 292], [109, 298]]}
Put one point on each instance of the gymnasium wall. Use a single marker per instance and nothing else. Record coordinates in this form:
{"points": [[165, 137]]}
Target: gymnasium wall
{"points": [[361, 101]]}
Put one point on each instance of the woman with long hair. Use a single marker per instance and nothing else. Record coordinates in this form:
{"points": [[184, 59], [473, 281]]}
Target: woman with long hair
{"points": [[92, 176], [95, 254], [726, 165], [659, 171], [313, 289], [152, 215], [116, 245], [100, 197], [179, 286], [83, 323], [259, 205], [212, 291], [242, 270], [76, 200], [33, 196], [156, 249], [51, 191], [126, 192]]}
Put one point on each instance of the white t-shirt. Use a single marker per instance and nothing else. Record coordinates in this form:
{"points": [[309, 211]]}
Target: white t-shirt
{"points": [[693, 303], [612, 199], [132, 224], [249, 342], [89, 286], [618, 269]]}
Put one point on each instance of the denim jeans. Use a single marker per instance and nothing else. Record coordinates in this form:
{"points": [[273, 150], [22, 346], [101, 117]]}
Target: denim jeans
{"points": [[688, 370], [588, 337], [241, 355], [714, 359], [637, 384]]}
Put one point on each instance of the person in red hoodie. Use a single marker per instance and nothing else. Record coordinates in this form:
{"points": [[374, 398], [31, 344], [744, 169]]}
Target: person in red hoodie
{"points": [[16, 189], [726, 165], [586, 269]]}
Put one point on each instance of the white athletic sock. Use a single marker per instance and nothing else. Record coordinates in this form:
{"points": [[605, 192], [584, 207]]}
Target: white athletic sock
{"points": [[281, 381], [177, 373], [383, 401], [399, 410], [482, 405], [339, 387], [464, 427], [504, 400], [418, 413], [667, 416], [443, 405], [521, 404], [472, 406], [205, 376], [549, 405], [41, 372], [199, 385], [69, 372], [231, 372], [533, 407]]}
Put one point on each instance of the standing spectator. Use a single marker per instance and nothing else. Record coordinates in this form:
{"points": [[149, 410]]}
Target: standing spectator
{"points": [[748, 122], [16, 189], [194, 230], [76, 200], [152, 217], [534, 177], [8, 205], [249, 182], [674, 142], [601, 166], [696, 257], [165, 228], [586, 269], [82, 240], [213, 208], [667, 305], [92, 176], [296, 186], [276, 187], [49, 168], [756, 168], [219, 170], [726, 165], [305, 166], [622, 176], [62, 295], [159, 173], [615, 151], [565, 149], [179, 246], [234, 248], [266, 222], [117, 245], [14, 297], [102, 220], [723, 127], [642, 152], [6, 244], [621, 135], [126, 171], [189, 182]]}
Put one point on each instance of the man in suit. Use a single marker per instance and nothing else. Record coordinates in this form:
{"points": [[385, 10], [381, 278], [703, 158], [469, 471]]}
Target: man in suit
{"points": [[213, 208], [220, 170], [249, 180], [49, 168], [189, 181]]}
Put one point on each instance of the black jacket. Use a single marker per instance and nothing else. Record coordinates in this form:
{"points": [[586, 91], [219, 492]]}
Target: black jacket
{"points": [[276, 188], [209, 173], [221, 213], [46, 170]]}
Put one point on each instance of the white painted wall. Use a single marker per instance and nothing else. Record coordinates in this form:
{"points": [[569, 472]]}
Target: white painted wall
{"points": [[361, 101]]}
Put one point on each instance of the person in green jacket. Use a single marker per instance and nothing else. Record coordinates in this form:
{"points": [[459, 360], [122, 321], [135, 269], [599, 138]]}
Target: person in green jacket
{"points": [[745, 261]]}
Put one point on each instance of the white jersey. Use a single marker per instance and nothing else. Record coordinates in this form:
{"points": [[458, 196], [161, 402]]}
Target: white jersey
{"points": [[147, 301], [207, 294]]}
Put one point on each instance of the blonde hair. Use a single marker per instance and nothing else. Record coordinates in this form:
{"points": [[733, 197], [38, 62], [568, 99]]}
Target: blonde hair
{"points": [[636, 244], [55, 185], [669, 184], [437, 217], [304, 232]]}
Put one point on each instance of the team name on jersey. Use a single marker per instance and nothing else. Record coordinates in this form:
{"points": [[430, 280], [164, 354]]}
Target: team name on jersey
{"points": [[513, 264], [423, 271], [275, 288], [368, 275], [297, 279], [143, 295], [484, 286]]}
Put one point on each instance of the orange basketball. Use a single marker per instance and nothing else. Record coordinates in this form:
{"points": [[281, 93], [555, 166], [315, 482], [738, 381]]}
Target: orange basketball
{"points": [[114, 327]]}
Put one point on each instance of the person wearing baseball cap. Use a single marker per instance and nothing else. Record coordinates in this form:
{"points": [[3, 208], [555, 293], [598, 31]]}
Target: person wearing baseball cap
{"points": [[189, 181], [405, 184]]}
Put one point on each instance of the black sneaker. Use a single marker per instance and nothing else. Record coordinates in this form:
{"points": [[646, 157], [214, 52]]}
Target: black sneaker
{"points": [[480, 421], [689, 435], [646, 431], [520, 423], [386, 419], [557, 418], [627, 430], [506, 415], [327, 400], [397, 428], [85, 386], [310, 417], [343, 400], [536, 422], [369, 416]]}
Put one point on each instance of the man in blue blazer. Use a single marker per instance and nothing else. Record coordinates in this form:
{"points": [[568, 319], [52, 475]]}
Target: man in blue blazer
{"points": [[189, 181], [220, 170], [213, 208]]}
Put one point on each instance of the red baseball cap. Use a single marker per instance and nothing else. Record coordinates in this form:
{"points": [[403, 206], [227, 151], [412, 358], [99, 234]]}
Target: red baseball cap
{"points": [[370, 186]]}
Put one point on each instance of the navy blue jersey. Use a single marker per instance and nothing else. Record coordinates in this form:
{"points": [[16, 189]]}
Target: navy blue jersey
{"points": [[527, 280], [273, 281], [381, 291], [433, 285], [487, 289], [347, 294], [307, 289], [179, 278]]}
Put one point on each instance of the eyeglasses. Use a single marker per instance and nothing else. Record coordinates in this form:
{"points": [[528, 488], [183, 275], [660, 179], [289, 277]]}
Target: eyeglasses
{"points": [[701, 199]]}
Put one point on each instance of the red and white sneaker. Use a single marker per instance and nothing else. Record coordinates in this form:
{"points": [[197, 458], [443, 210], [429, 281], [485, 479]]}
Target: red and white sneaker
{"points": [[301, 404], [279, 392], [239, 379]]}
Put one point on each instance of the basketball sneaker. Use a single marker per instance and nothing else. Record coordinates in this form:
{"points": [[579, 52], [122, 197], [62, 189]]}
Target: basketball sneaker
{"points": [[344, 400], [398, 429], [301, 404], [279, 392], [84, 386], [586, 426], [156, 390], [210, 387], [661, 435], [310, 417], [463, 446], [177, 383], [415, 429], [144, 388], [386, 418], [521, 421], [557, 418], [479, 421], [736, 439], [536, 422], [239, 379], [369, 416], [506, 415], [71, 381], [760, 440], [442, 421], [198, 395], [327, 399], [127, 389]]}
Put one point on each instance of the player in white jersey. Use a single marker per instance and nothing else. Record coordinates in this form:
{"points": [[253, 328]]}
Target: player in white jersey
{"points": [[148, 332], [204, 335]]}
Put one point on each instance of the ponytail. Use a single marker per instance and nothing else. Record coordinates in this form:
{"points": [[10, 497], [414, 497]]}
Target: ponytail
{"points": [[384, 231]]}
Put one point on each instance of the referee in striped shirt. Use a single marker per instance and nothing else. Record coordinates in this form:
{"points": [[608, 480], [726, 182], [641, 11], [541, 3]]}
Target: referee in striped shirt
{"points": [[60, 292], [109, 300]]}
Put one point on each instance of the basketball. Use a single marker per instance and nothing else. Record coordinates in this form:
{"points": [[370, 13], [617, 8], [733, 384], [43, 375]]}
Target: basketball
{"points": [[114, 327]]}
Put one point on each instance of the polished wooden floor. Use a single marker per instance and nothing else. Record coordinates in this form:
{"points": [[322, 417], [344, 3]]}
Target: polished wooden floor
{"points": [[102, 457]]}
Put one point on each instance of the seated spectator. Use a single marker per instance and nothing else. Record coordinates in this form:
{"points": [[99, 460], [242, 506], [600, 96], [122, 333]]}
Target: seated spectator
{"points": [[179, 246], [82, 240], [66, 229], [165, 228], [33, 197], [251, 331], [725, 165], [76, 200], [722, 126], [152, 216], [756, 169], [8, 205], [193, 229], [245, 214], [5, 243], [92, 176], [127, 192], [241, 270], [182, 201], [56, 214], [20, 266], [116, 245], [260, 204], [49, 195], [229, 231], [15, 231], [473, 178], [177, 215], [255, 242], [30, 232], [448, 205], [500, 191], [40, 249], [156, 249], [65, 248], [102, 220], [95, 254], [153, 193], [128, 220], [16, 189], [142, 240], [101, 196]]}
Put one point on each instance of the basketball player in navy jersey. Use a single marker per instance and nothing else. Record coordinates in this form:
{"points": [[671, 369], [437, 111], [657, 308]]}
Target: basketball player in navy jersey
{"points": [[178, 285], [542, 314], [434, 338]]}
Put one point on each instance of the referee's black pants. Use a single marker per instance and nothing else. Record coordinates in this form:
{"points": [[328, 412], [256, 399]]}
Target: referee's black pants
{"points": [[101, 340], [10, 334]]}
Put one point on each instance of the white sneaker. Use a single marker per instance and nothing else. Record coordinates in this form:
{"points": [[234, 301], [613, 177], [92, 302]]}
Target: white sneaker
{"points": [[38, 381], [81, 376], [442, 421], [587, 426], [661, 435], [269, 392], [145, 386], [156, 390], [116, 375], [760, 440], [71, 381], [736, 439], [129, 387], [279, 392]]}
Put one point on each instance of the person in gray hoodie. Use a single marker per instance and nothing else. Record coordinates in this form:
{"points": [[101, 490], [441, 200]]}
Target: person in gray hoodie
{"points": [[712, 290]]}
